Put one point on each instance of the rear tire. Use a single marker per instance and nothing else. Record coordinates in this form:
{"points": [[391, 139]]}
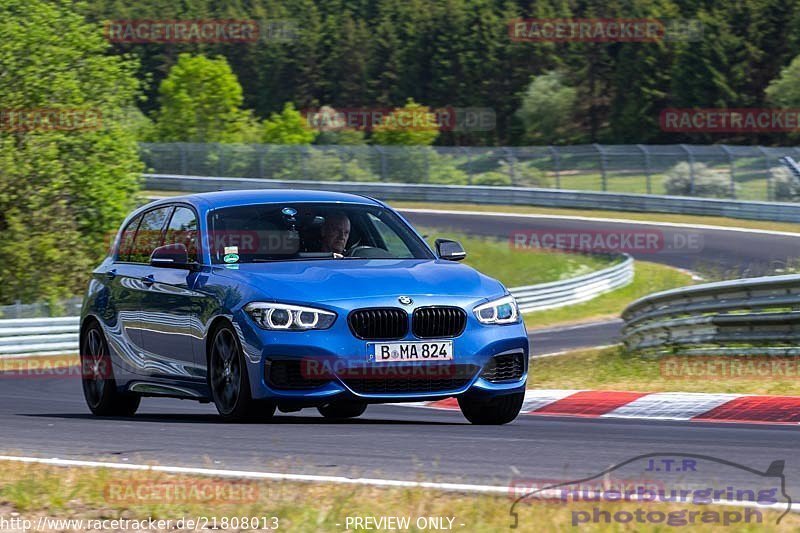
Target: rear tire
{"points": [[492, 412], [97, 377], [229, 381], [342, 409]]}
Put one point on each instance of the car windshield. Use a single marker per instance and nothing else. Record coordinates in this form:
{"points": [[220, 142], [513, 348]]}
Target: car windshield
{"points": [[302, 232]]}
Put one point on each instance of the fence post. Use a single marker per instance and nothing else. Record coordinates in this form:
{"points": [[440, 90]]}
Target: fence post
{"points": [[262, 152], [427, 166], [512, 171], [556, 165], [184, 163], [469, 165], [305, 155], [220, 167], [649, 178], [770, 195], [733, 169], [603, 178], [690, 157], [341, 154]]}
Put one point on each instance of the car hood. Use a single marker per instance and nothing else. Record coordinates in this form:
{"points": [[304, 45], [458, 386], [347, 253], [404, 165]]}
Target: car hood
{"points": [[331, 280]]}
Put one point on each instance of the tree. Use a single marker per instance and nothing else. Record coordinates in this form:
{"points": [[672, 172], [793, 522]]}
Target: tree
{"points": [[413, 124], [63, 192], [287, 127], [547, 109], [784, 91], [201, 102]]}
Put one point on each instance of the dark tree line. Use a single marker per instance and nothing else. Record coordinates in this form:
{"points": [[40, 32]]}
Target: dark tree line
{"points": [[372, 53]]}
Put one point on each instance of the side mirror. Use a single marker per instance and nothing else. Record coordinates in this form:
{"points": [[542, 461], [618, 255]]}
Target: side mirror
{"points": [[450, 250], [171, 256]]}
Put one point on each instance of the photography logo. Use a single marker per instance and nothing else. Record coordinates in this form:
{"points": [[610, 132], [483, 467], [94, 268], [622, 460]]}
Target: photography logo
{"points": [[699, 489]]}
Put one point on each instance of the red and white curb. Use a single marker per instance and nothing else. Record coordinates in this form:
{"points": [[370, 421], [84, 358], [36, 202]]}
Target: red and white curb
{"points": [[682, 406]]}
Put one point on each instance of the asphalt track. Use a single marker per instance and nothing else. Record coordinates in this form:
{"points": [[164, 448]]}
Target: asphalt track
{"points": [[47, 417]]}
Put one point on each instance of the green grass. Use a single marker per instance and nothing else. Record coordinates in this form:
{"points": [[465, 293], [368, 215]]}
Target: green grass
{"points": [[648, 278], [599, 213], [515, 267], [614, 369], [33, 491]]}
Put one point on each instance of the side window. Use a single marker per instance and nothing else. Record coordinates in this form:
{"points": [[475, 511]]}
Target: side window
{"points": [[148, 237], [183, 229], [126, 239]]}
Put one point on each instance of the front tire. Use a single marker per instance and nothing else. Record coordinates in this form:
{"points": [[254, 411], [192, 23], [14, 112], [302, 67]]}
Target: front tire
{"points": [[229, 381], [493, 411], [342, 409], [97, 378]]}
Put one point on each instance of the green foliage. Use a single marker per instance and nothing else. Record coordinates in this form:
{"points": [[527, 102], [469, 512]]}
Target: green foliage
{"points": [[287, 127], [785, 187], [459, 53], [547, 108], [62, 193], [201, 102], [444, 172], [410, 125], [697, 180], [324, 165], [333, 129], [784, 91]]}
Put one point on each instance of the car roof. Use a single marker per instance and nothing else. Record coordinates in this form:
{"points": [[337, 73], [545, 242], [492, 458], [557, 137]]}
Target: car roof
{"points": [[219, 199]]}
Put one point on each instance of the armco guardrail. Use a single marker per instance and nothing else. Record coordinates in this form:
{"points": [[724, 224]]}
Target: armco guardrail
{"points": [[39, 335], [740, 317], [60, 335], [574, 290], [774, 211]]}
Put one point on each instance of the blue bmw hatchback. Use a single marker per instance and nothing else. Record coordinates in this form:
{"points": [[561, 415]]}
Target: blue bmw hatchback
{"points": [[265, 300]]}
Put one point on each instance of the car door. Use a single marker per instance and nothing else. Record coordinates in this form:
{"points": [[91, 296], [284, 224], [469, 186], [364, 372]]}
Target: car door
{"points": [[170, 305], [125, 288]]}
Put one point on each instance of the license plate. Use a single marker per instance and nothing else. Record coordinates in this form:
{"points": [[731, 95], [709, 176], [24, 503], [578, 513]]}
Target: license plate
{"points": [[393, 352]]}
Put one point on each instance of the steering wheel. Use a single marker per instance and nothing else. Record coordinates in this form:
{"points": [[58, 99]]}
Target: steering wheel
{"points": [[354, 251]]}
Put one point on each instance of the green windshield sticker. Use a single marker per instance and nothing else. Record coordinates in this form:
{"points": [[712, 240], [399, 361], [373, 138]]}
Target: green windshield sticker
{"points": [[231, 258]]}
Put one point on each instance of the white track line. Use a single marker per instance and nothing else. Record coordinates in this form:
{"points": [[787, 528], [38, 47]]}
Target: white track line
{"points": [[273, 476], [245, 474], [571, 350], [598, 219], [576, 326]]}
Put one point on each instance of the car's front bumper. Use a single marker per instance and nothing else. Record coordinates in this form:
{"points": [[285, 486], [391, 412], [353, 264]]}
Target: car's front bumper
{"points": [[337, 362]]}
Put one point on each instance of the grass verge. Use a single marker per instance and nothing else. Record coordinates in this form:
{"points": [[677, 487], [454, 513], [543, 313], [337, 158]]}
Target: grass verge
{"points": [[592, 213], [35, 491], [515, 267], [648, 278], [613, 369]]}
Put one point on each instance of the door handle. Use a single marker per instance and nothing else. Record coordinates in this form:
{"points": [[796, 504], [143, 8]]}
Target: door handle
{"points": [[111, 274], [148, 280]]}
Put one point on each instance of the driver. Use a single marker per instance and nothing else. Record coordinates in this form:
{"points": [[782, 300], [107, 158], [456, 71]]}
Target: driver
{"points": [[335, 232]]}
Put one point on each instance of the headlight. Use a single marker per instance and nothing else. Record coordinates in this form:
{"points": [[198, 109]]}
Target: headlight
{"points": [[289, 317], [501, 311]]}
